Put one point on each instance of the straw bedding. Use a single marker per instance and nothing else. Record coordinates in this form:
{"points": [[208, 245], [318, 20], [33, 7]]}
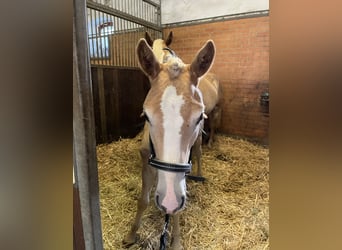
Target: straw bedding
{"points": [[230, 210]]}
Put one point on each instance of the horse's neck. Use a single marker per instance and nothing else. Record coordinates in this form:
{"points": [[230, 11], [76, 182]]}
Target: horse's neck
{"points": [[209, 86]]}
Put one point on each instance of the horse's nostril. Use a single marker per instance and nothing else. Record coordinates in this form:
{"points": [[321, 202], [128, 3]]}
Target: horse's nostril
{"points": [[159, 205], [182, 201], [157, 200]]}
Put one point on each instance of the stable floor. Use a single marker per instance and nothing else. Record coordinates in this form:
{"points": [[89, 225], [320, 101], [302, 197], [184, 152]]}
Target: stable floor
{"points": [[230, 210]]}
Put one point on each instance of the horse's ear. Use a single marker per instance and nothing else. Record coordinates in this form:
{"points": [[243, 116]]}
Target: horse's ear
{"points": [[148, 38], [147, 61], [203, 60], [168, 40]]}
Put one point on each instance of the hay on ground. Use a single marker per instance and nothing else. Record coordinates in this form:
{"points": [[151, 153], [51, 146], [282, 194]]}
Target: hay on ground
{"points": [[230, 210]]}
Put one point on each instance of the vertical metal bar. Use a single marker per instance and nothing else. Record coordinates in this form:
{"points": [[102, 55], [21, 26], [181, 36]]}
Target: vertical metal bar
{"points": [[89, 31], [116, 41], [118, 48], [129, 43], [103, 39], [136, 4], [98, 42], [120, 45], [102, 43], [125, 34], [134, 8], [115, 49], [108, 18], [99, 37], [91, 40], [122, 42], [84, 133], [111, 40], [106, 39], [92, 34], [94, 37], [124, 47], [124, 37]]}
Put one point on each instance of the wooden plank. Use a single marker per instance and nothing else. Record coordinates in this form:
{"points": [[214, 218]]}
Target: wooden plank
{"points": [[84, 143], [112, 103], [97, 114], [116, 100], [102, 104]]}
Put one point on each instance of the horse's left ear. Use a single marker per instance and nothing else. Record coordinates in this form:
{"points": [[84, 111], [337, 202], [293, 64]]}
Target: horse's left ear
{"points": [[203, 60], [168, 40], [148, 38]]}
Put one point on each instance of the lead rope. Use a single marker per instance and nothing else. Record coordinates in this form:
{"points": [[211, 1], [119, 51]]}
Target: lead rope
{"points": [[163, 237]]}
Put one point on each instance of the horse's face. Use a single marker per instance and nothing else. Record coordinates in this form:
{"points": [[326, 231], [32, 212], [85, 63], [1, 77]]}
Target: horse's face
{"points": [[174, 111]]}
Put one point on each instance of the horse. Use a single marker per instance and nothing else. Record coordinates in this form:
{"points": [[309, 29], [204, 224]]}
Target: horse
{"points": [[174, 113], [209, 86]]}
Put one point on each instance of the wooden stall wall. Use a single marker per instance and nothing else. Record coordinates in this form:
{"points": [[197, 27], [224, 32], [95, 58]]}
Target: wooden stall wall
{"points": [[118, 95], [242, 64]]}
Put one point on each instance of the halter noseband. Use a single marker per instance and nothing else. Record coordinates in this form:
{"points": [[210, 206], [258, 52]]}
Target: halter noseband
{"points": [[166, 166]]}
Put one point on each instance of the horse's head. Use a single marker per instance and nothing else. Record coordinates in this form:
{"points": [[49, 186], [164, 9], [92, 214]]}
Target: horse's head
{"points": [[174, 111], [160, 47]]}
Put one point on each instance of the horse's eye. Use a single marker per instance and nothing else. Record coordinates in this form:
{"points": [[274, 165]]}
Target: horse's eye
{"points": [[145, 116], [199, 119]]}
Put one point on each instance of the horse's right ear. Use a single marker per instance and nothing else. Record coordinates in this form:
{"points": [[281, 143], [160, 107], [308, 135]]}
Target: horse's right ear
{"points": [[168, 40], [147, 61], [148, 38], [203, 60]]}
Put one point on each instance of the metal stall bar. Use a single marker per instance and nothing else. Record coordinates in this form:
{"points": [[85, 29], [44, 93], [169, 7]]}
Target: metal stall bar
{"points": [[84, 133], [127, 19], [123, 15]]}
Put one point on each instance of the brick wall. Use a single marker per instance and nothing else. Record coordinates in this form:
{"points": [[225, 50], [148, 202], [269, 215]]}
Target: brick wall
{"points": [[242, 64]]}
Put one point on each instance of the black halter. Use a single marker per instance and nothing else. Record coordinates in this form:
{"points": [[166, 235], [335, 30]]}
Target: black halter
{"points": [[170, 50], [171, 167]]}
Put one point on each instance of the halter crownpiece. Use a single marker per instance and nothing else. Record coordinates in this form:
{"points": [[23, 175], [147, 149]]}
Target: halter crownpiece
{"points": [[170, 50], [166, 166]]}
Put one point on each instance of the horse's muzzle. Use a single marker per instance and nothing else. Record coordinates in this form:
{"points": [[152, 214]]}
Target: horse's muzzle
{"points": [[170, 206]]}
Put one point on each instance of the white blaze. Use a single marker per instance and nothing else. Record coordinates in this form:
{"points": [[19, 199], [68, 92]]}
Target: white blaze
{"points": [[171, 104]]}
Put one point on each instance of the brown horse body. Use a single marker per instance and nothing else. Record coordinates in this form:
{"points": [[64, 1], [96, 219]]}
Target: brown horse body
{"points": [[174, 112]]}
